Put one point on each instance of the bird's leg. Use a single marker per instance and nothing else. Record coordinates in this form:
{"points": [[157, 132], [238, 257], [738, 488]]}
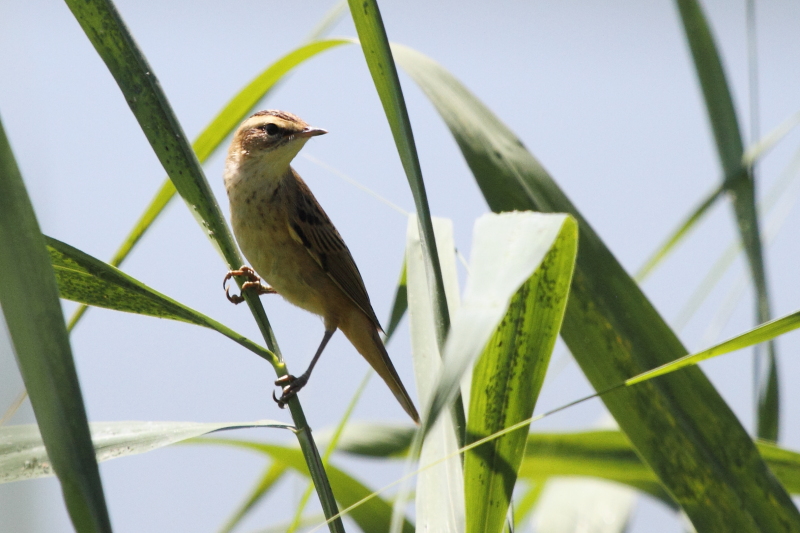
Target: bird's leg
{"points": [[292, 385], [253, 282]]}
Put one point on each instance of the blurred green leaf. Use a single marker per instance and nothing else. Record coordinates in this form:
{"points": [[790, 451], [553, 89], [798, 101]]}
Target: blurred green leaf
{"points": [[679, 424], [740, 183], [605, 454], [87, 280], [23, 455], [372, 439], [509, 373], [373, 515], [32, 311]]}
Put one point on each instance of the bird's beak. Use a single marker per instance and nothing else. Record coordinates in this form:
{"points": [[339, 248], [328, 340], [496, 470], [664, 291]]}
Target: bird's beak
{"points": [[312, 132]]}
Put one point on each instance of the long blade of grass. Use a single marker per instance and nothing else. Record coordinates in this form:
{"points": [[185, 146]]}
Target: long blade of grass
{"points": [[740, 183], [375, 44], [678, 234], [372, 517], [32, 311], [440, 490], [82, 278], [103, 26], [23, 454], [509, 373], [680, 425], [762, 333]]}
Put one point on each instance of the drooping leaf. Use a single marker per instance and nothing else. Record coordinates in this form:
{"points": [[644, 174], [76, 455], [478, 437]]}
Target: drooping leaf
{"points": [[87, 280]]}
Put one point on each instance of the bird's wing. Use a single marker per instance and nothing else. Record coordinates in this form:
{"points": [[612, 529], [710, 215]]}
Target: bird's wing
{"points": [[310, 226]]}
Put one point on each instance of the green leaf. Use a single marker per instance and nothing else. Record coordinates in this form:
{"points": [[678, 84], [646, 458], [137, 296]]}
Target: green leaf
{"points": [[23, 455], [32, 311], [87, 280], [740, 183], [522, 240], [440, 489], [373, 515], [510, 371], [762, 333], [680, 424], [375, 44]]}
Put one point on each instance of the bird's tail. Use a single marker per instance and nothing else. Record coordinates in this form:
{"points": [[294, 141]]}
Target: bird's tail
{"points": [[363, 333]]}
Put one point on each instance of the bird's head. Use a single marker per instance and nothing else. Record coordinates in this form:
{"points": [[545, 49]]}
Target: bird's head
{"points": [[268, 141]]}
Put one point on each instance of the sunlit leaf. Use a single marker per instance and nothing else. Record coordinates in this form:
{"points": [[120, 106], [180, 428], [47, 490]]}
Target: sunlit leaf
{"points": [[509, 373], [680, 425]]}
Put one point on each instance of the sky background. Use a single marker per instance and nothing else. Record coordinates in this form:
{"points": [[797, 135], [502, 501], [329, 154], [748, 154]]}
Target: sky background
{"points": [[604, 95]]}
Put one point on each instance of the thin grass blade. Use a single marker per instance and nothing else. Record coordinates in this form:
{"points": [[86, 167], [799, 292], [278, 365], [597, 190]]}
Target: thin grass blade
{"points": [[84, 279], [375, 44], [762, 333], [678, 234]]}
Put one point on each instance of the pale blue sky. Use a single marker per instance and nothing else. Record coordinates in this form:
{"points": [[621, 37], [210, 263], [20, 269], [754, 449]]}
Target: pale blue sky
{"points": [[604, 94]]}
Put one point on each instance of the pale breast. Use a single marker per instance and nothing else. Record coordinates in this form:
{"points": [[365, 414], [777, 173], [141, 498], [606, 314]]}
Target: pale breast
{"points": [[260, 224]]}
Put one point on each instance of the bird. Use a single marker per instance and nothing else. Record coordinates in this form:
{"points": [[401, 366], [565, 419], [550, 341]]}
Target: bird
{"points": [[292, 244]]}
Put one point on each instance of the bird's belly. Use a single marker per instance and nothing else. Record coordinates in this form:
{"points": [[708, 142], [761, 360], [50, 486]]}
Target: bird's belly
{"points": [[281, 261]]}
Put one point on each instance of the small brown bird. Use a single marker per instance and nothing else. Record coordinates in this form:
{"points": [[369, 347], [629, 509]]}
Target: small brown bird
{"points": [[292, 244]]}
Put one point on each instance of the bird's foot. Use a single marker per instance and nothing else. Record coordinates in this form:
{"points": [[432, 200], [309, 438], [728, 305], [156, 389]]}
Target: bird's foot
{"points": [[290, 387], [253, 283]]}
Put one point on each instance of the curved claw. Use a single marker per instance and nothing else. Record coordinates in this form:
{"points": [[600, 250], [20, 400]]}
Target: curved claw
{"points": [[280, 402], [253, 282]]}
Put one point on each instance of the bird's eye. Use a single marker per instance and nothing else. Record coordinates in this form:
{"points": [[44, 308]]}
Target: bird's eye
{"points": [[271, 129]]}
